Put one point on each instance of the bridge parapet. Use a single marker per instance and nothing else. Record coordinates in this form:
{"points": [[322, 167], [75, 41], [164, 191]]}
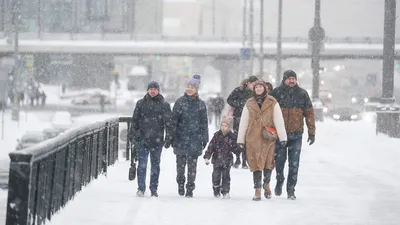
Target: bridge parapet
{"points": [[43, 178], [130, 37]]}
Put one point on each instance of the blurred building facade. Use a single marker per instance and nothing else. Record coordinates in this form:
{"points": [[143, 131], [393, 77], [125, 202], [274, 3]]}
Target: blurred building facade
{"points": [[85, 16]]}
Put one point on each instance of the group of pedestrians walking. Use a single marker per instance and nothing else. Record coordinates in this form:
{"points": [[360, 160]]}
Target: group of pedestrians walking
{"points": [[266, 127]]}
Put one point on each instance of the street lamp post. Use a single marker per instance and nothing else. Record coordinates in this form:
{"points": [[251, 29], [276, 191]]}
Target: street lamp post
{"points": [[244, 33], [251, 36], [388, 112], [213, 17], [261, 39], [279, 44]]}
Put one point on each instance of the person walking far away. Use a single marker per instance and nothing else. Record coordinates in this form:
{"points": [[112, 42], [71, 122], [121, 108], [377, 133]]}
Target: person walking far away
{"points": [[190, 136], [260, 126], [218, 106], [237, 99], [151, 119], [296, 105], [269, 86], [220, 148]]}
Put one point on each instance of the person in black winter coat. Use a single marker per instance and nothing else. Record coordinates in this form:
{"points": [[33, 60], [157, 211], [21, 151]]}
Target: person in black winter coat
{"points": [[190, 136], [220, 148], [218, 106], [237, 99], [152, 116]]}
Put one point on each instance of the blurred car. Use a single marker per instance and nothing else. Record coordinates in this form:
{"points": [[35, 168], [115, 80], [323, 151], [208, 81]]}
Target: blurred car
{"points": [[90, 99], [325, 95], [62, 121], [359, 99], [345, 114], [51, 133], [320, 109], [30, 138]]}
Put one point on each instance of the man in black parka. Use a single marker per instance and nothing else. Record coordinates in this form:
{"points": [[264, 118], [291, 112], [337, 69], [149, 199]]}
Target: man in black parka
{"points": [[152, 116]]}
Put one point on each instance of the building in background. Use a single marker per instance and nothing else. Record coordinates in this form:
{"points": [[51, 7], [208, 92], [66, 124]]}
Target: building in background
{"points": [[195, 18], [85, 16]]}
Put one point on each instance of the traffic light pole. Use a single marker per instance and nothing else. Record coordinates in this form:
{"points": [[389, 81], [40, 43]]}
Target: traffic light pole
{"points": [[316, 36], [388, 112]]}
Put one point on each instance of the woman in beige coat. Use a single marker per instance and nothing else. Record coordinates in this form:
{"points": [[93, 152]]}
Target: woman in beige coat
{"points": [[259, 112]]}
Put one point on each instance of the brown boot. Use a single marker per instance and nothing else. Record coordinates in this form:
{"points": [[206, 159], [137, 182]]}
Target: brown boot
{"points": [[257, 194], [267, 191]]}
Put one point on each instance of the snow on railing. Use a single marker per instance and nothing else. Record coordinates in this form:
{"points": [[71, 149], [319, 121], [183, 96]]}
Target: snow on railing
{"points": [[43, 178]]}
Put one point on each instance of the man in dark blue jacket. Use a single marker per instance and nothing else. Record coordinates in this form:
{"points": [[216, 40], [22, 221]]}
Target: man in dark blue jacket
{"points": [[152, 116]]}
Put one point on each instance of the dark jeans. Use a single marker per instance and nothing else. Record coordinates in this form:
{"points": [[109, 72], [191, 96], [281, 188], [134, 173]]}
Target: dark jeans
{"points": [[292, 151], [257, 176], [221, 178], [191, 162], [155, 159]]}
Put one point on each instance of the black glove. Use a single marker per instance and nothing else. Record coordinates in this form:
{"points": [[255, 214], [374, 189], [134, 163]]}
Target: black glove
{"points": [[283, 143], [168, 144], [311, 139], [204, 144]]}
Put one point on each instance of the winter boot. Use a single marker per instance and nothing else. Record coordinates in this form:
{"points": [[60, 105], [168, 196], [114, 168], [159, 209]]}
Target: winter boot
{"points": [[140, 193], [257, 194], [217, 192], [189, 194], [154, 194], [181, 189], [278, 188], [291, 196], [237, 163], [226, 196], [267, 191]]}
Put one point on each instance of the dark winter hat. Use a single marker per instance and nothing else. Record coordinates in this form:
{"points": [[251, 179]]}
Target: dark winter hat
{"points": [[289, 73], [252, 79], [195, 81], [153, 84]]}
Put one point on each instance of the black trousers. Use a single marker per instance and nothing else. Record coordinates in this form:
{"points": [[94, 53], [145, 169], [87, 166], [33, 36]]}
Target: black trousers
{"points": [[191, 162], [221, 178]]}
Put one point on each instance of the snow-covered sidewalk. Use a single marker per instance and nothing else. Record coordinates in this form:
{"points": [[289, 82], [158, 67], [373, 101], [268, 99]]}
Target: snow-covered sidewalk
{"points": [[350, 176]]}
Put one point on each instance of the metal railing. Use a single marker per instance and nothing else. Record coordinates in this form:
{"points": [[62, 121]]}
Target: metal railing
{"points": [[130, 37], [45, 177]]}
